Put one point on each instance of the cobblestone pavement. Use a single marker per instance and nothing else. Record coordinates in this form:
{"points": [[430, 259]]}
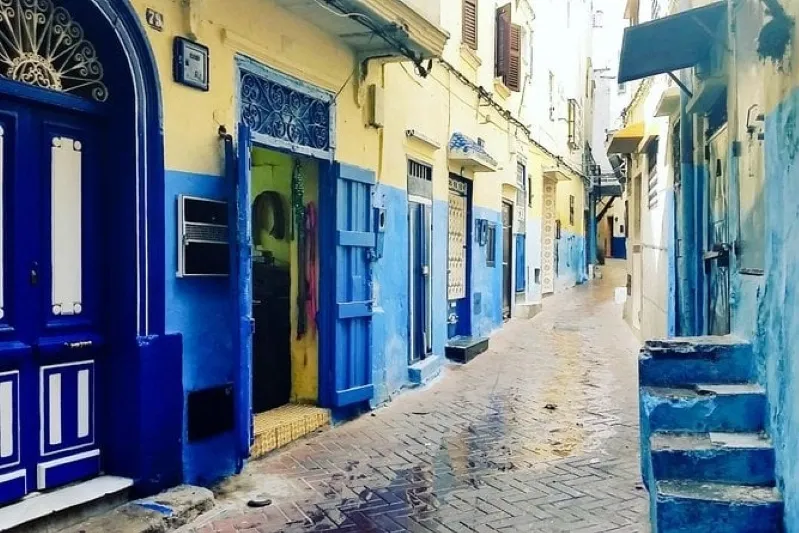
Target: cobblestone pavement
{"points": [[537, 434]]}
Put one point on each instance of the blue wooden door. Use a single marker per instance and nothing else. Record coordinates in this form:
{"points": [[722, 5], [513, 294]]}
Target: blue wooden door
{"points": [[53, 299], [348, 241], [237, 170]]}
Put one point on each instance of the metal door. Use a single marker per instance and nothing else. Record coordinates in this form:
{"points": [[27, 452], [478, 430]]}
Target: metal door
{"points": [[421, 321], [348, 242], [456, 265], [52, 320], [717, 248], [548, 249], [507, 258]]}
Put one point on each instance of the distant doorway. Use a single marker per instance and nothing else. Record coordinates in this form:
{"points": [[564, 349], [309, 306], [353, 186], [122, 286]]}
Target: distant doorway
{"points": [[507, 259]]}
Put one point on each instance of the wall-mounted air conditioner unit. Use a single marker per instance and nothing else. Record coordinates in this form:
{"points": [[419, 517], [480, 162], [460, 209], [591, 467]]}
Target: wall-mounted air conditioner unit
{"points": [[203, 237]]}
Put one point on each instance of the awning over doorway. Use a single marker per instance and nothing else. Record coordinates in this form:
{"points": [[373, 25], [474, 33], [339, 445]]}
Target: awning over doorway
{"points": [[468, 153], [627, 139], [669, 43]]}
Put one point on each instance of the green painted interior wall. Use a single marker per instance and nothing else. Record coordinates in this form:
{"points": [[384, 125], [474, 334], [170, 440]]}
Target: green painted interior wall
{"points": [[271, 171]]}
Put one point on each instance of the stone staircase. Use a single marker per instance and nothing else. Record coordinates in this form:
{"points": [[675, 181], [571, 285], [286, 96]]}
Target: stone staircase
{"points": [[705, 456]]}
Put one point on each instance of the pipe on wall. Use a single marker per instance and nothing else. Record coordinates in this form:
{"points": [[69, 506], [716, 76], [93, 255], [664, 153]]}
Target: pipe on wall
{"points": [[685, 239]]}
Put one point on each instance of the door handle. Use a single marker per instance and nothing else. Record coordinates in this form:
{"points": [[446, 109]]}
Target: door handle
{"points": [[34, 276]]}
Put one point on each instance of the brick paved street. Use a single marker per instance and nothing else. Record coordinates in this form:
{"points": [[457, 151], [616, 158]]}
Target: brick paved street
{"points": [[537, 434]]}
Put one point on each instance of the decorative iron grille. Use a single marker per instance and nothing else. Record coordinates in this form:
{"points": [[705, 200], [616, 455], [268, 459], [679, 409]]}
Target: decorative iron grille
{"points": [[285, 115], [41, 45]]}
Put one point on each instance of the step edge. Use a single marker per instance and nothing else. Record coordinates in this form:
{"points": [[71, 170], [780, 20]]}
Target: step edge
{"points": [[776, 499]]}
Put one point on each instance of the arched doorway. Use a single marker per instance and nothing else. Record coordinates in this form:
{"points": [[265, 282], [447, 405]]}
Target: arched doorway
{"points": [[81, 163]]}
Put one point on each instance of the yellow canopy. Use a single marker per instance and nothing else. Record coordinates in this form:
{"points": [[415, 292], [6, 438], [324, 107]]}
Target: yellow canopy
{"points": [[627, 139]]}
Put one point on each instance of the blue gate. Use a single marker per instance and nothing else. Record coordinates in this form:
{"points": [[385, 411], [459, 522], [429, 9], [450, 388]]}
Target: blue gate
{"points": [[348, 239]]}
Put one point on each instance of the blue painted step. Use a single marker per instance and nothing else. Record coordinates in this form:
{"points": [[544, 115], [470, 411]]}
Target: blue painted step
{"points": [[699, 507], [688, 360], [732, 458], [724, 408]]}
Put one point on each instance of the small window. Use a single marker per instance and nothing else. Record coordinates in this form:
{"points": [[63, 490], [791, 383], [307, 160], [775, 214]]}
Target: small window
{"points": [[491, 245], [622, 88], [571, 210], [599, 19], [470, 23], [652, 164], [529, 191], [574, 138]]}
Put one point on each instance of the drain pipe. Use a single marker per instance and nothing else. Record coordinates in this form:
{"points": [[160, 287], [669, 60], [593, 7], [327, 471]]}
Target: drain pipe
{"points": [[685, 237]]}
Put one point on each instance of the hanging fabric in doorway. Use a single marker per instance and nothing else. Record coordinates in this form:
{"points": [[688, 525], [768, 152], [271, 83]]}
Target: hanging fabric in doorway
{"points": [[297, 228], [310, 264]]}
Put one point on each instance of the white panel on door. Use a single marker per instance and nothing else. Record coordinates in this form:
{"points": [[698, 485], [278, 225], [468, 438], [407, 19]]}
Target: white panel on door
{"points": [[54, 404], [66, 226], [2, 229], [83, 403], [6, 419]]}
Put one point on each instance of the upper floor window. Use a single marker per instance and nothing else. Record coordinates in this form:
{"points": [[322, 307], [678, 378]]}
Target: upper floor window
{"points": [[572, 121], [656, 9], [508, 50], [599, 19], [469, 24]]}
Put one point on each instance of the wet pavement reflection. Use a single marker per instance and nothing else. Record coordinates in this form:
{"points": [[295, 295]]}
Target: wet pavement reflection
{"points": [[537, 434]]}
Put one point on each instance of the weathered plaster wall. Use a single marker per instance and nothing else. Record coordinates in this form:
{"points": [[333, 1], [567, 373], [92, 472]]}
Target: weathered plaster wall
{"points": [[571, 266], [391, 329], [486, 280], [193, 305], [778, 330]]}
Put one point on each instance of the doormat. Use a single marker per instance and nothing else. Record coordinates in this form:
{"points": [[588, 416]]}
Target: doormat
{"points": [[283, 425]]}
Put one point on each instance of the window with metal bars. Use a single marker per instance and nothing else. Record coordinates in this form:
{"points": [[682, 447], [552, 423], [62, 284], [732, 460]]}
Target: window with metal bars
{"points": [[420, 179], [571, 210], [652, 166], [469, 24]]}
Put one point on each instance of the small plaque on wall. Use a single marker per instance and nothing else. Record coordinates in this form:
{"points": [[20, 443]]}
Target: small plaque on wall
{"points": [[190, 63]]}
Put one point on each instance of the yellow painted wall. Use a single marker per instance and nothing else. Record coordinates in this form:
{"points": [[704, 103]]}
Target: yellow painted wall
{"points": [[572, 187], [271, 171], [439, 106], [270, 35]]}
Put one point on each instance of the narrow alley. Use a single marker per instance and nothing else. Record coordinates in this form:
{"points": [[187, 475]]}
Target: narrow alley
{"points": [[538, 434]]}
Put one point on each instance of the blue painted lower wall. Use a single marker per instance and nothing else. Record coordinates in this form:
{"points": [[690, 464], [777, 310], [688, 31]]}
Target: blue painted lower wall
{"points": [[486, 281], [199, 309], [390, 327], [571, 265]]}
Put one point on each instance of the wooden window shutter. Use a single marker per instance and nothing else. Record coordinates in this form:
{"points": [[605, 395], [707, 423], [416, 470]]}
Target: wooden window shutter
{"points": [[502, 50], [469, 36], [514, 78]]}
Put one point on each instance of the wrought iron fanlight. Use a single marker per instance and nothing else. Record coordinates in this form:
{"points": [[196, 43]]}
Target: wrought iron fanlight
{"points": [[41, 45]]}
